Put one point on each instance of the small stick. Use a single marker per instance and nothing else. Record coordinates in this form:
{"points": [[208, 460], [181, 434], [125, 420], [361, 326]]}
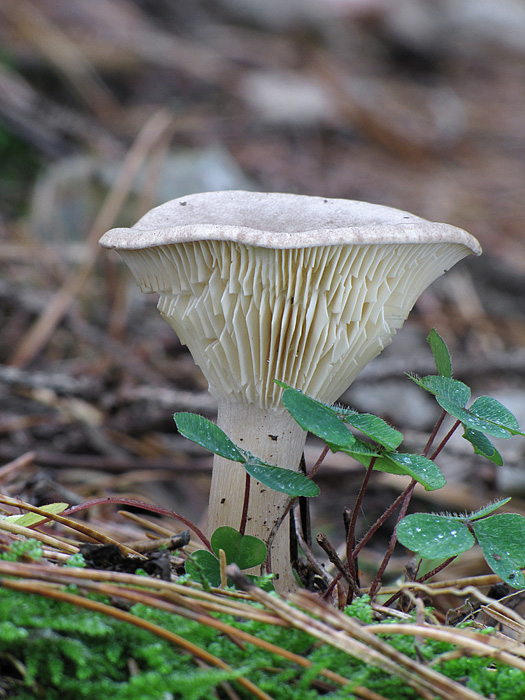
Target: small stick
{"points": [[323, 542], [223, 564], [151, 545], [314, 564]]}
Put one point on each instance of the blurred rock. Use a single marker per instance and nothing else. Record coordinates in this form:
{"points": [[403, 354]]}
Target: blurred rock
{"points": [[400, 402], [69, 195], [479, 22], [287, 98]]}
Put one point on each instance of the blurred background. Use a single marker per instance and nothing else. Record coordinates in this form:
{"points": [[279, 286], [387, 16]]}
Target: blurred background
{"points": [[109, 107]]}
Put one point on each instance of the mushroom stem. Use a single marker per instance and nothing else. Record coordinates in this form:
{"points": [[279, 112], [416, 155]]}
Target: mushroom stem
{"points": [[276, 439]]}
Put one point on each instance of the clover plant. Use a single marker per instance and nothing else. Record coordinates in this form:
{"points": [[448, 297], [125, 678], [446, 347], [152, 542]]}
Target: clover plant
{"points": [[376, 445]]}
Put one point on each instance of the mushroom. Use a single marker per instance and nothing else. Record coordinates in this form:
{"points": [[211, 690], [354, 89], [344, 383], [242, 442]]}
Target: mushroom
{"points": [[265, 286]]}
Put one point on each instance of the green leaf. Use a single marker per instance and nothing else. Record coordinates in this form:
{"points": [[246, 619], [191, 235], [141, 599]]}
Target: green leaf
{"points": [[487, 510], [359, 450], [251, 552], [244, 550], [284, 385], [441, 353], [470, 420], [29, 519], [203, 564], [501, 539], [487, 408], [228, 539], [486, 415], [317, 418], [283, 480], [375, 428], [326, 422], [418, 467], [445, 388], [434, 536], [483, 446], [207, 435]]}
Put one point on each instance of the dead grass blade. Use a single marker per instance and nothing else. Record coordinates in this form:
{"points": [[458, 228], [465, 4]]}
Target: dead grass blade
{"points": [[34, 534], [67, 522], [473, 642], [341, 631]]}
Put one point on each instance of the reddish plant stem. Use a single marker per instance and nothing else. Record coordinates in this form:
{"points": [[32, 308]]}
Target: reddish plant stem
{"points": [[377, 580], [313, 471], [388, 512], [424, 578], [333, 584], [145, 506], [436, 570], [267, 564], [433, 434], [445, 440], [405, 496], [246, 503], [411, 486], [350, 537]]}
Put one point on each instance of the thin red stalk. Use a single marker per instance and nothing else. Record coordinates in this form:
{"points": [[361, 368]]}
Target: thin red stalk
{"points": [[445, 440], [145, 506], [388, 512], [377, 580], [434, 433], [422, 579], [267, 566], [246, 503], [350, 537], [313, 471], [436, 570], [333, 584]]}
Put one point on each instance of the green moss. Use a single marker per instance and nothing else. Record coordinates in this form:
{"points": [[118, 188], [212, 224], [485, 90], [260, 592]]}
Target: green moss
{"points": [[21, 549], [66, 653]]}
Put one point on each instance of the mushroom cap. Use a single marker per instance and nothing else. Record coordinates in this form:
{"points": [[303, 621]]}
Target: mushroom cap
{"points": [[276, 220], [278, 286]]}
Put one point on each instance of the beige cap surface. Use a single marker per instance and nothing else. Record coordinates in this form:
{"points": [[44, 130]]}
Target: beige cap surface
{"points": [[276, 220]]}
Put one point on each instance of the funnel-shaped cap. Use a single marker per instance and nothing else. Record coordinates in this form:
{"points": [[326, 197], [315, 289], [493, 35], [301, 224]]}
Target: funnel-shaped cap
{"points": [[279, 286]]}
